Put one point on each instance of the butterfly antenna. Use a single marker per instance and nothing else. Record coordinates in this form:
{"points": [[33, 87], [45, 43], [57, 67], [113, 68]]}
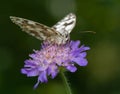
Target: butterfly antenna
{"points": [[88, 32]]}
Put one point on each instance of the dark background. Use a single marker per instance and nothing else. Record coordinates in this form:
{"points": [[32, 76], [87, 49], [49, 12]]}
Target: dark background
{"points": [[101, 76]]}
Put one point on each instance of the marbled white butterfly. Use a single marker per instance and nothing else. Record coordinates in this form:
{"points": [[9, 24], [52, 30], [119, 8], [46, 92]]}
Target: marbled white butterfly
{"points": [[59, 33]]}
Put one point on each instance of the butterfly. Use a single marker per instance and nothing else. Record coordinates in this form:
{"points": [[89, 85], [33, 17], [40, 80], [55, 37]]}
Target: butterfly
{"points": [[58, 33]]}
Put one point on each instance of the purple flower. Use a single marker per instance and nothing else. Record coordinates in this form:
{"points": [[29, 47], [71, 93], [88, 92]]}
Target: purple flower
{"points": [[46, 62]]}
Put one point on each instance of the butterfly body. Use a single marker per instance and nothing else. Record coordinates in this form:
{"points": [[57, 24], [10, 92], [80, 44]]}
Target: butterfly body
{"points": [[58, 34]]}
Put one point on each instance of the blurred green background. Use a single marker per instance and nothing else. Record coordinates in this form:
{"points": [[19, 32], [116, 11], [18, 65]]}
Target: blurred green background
{"points": [[101, 76]]}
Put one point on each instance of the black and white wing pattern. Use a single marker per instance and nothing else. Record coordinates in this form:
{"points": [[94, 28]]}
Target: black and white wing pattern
{"points": [[40, 31], [66, 25], [59, 33]]}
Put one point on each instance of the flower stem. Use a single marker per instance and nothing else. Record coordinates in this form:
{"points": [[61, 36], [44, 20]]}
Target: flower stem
{"points": [[68, 89]]}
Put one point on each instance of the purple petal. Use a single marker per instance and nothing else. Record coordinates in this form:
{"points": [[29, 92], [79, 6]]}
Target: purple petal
{"points": [[53, 74], [71, 68], [32, 72], [44, 66], [43, 77], [81, 61], [74, 44], [32, 55], [53, 70], [24, 71], [83, 54], [84, 48], [35, 86]]}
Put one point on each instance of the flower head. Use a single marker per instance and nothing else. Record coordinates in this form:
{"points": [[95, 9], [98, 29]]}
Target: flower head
{"points": [[46, 62]]}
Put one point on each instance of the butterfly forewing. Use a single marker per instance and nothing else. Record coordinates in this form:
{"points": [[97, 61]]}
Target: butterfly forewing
{"points": [[35, 29], [66, 24]]}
